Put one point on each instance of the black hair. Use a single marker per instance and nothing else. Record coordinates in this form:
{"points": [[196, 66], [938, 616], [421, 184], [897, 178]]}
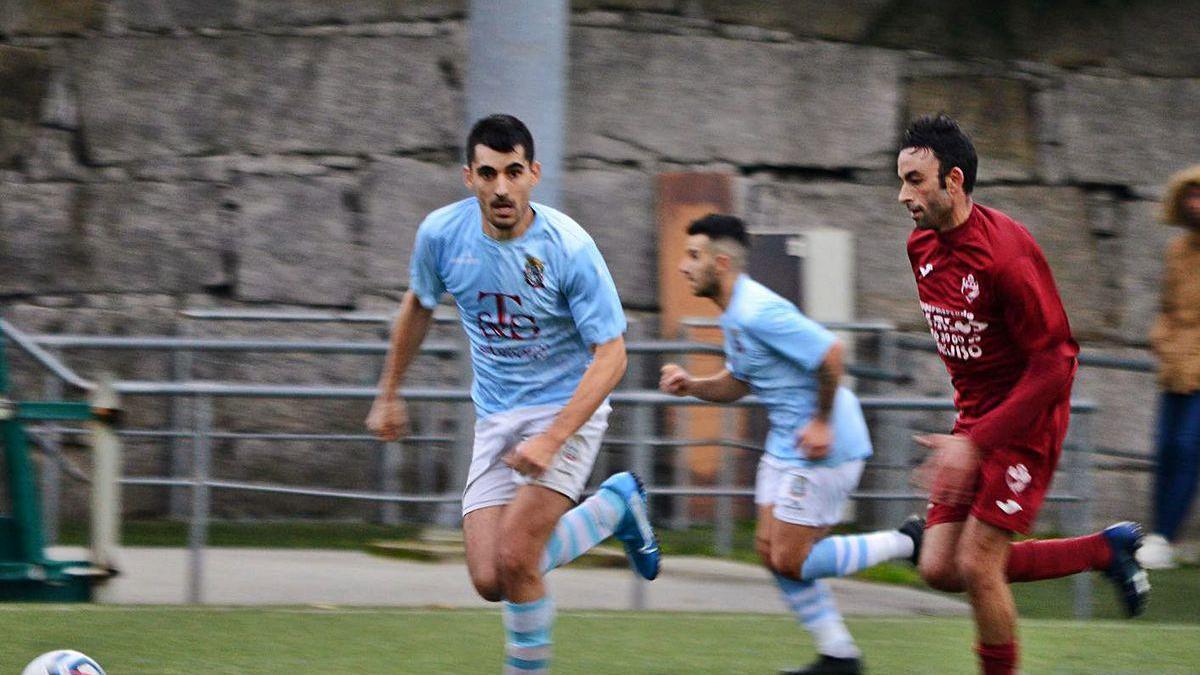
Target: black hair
{"points": [[717, 226], [501, 133], [942, 136]]}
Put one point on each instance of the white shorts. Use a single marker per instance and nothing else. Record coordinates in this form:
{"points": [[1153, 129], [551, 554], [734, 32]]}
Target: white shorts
{"points": [[814, 496], [490, 482]]}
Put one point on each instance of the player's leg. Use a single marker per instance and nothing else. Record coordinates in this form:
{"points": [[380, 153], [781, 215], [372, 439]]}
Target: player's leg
{"points": [[618, 507], [805, 552], [528, 611], [938, 562], [807, 502], [481, 534], [982, 558]]}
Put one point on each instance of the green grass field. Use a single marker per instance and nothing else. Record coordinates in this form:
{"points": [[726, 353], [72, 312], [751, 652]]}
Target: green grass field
{"points": [[170, 640]]}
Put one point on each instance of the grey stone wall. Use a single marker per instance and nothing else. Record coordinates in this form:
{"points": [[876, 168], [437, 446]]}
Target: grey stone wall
{"points": [[168, 154]]}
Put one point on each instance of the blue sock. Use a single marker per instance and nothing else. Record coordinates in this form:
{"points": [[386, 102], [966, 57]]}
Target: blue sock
{"points": [[812, 604], [843, 555], [581, 528], [527, 634]]}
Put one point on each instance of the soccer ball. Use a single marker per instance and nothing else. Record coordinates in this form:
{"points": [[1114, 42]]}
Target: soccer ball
{"points": [[63, 662]]}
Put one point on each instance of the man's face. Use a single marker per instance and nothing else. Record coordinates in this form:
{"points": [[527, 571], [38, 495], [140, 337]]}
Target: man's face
{"points": [[502, 182], [929, 204], [699, 265], [1189, 204]]}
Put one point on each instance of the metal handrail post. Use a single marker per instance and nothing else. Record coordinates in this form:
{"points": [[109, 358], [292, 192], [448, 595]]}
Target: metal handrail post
{"points": [[642, 464], [106, 486], [201, 470], [181, 371], [51, 467], [1081, 485], [723, 506]]}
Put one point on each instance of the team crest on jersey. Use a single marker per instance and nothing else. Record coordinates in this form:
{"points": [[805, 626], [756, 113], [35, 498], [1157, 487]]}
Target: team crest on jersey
{"points": [[970, 288], [1017, 478], [535, 272]]}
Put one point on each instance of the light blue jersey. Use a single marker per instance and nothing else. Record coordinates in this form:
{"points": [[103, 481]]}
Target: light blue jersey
{"points": [[776, 350], [532, 307]]}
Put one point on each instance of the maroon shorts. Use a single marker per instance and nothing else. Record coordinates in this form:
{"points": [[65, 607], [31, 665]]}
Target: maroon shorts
{"points": [[1013, 479]]}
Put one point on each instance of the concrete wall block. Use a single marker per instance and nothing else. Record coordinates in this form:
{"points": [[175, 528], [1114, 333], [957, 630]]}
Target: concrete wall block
{"points": [[51, 17], [617, 209], [157, 97], [1160, 38], [1122, 130], [114, 237], [884, 282], [348, 95], [1145, 243], [699, 99], [398, 194], [1057, 219], [24, 76], [165, 16], [266, 13], [295, 241], [996, 112], [846, 21]]}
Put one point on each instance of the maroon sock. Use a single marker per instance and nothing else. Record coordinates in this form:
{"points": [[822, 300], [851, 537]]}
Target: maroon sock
{"points": [[997, 659], [1036, 559]]}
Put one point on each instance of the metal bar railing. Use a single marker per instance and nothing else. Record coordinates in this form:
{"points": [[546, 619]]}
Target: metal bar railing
{"points": [[925, 343]]}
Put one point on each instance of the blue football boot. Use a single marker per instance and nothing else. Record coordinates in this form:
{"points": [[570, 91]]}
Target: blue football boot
{"points": [[634, 529], [1133, 585]]}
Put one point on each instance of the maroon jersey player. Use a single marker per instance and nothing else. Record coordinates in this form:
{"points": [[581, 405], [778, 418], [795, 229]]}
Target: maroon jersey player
{"points": [[993, 308]]}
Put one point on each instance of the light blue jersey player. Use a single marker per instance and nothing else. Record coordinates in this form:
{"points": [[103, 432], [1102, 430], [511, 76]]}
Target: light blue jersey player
{"points": [[816, 445], [547, 348]]}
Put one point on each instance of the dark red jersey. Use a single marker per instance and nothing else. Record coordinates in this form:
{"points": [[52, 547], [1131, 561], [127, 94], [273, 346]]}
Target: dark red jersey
{"points": [[994, 311]]}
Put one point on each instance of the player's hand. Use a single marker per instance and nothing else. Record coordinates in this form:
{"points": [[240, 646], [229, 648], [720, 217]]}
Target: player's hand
{"points": [[950, 471], [388, 418], [675, 380], [533, 455], [815, 439]]}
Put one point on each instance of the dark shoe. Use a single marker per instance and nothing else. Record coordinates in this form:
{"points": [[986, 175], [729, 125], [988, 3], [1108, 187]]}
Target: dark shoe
{"points": [[1133, 585], [829, 665], [914, 528]]}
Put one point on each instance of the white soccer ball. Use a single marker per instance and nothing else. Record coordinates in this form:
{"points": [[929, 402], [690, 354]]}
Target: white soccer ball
{"points": [[63, 662]]}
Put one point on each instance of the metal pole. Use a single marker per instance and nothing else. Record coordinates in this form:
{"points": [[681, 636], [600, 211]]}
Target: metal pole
{"points": [[198, 528], [391, 456], [517, 64], [51, 469], [106, 487], [642, 464], [1081, 485], [181, 371], [723, 531]]}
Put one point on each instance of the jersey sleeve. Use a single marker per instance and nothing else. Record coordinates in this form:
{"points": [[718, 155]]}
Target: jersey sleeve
{"points": [[792, 335], [424, 280], [1037, 322], [592, 297]]}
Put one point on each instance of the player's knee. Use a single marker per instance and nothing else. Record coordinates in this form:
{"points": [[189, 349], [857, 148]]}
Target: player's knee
{"points": [[978, 570], [942, 575], [785, 563], [518, 562], [488, 588]]}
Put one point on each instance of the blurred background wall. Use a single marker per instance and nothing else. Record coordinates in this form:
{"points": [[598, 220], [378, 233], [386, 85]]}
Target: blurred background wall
{"points": [[157, 155]]}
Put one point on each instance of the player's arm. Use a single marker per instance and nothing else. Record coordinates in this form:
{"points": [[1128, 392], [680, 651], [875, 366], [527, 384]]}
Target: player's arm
{"points": [[720, 388], [1038, 323], [535, 454], [815, 349], [388, 417], [816, 437]]}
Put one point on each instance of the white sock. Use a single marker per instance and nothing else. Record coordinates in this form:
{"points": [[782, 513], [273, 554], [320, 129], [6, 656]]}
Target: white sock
{"points": [[812, 603]]}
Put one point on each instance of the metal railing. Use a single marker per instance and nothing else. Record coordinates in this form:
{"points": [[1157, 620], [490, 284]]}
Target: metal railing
{"points": [[642, 442]]}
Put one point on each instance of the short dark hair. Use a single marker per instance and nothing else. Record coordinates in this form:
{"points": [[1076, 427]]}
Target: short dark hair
{"points": [[501, 133], [717, 226], [942, 136]]}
